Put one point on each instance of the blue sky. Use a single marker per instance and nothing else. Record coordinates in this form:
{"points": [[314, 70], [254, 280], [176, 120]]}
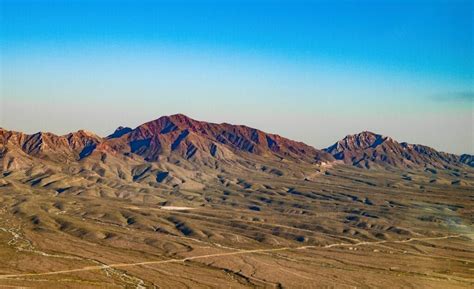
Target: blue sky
{"points": [[313, 71]]}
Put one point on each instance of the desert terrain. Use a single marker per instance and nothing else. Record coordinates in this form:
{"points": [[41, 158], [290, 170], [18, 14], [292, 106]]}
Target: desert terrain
{"points": [[179, 203]]}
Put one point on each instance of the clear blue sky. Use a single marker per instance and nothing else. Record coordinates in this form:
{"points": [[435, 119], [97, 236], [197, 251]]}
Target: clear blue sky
{"points": [[313, 71]]}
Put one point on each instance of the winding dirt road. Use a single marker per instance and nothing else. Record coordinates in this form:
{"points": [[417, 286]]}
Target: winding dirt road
{"points": [[239, 252]]}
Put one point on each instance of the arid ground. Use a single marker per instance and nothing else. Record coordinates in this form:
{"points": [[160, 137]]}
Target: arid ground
{"points": [[343, 227], [181, 203]]}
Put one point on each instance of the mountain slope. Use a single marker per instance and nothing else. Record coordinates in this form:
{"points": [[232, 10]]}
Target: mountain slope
{"points": [[467, 159], [48, 145], [198, 140], [366, 149]]}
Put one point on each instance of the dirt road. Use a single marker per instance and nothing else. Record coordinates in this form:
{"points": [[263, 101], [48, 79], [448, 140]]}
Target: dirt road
{"points": [[239, 252]]}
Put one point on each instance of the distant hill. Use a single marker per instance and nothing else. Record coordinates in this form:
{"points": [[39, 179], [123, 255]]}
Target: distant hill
{"points": [[367, 149]]}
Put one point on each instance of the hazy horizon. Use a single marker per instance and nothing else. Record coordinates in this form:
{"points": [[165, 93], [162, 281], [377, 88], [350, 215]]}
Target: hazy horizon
{"points": [[310, 71]]}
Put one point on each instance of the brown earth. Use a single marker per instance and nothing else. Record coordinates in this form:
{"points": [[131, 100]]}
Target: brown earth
{"points": [[178, 203]]}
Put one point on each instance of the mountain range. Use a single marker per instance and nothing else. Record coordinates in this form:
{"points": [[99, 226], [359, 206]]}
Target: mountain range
{"points": [[177, 138]]}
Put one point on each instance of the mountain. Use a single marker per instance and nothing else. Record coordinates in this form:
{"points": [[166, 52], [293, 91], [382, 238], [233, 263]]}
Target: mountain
{"points": [[367, 149], [174, 138], [198, 140], [467, 159], [48, 145]]}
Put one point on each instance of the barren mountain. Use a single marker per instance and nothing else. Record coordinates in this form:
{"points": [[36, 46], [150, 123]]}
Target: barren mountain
{"points": [[366, 149], [197, 140], [72, 146], [467, 159]]}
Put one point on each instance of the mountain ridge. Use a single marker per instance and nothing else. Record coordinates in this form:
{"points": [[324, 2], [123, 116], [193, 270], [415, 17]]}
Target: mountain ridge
{"points": [[178, 136], [366, 149]]}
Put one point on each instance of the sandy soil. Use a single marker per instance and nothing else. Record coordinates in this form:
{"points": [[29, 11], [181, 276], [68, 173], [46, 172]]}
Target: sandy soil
{"points": [[344, 228]]}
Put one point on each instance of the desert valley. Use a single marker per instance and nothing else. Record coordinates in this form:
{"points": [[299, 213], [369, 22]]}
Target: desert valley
{"points": [[182, 203]]}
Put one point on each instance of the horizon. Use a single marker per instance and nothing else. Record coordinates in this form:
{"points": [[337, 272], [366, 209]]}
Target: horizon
{"points": [[235, 124], [309, 71]]}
